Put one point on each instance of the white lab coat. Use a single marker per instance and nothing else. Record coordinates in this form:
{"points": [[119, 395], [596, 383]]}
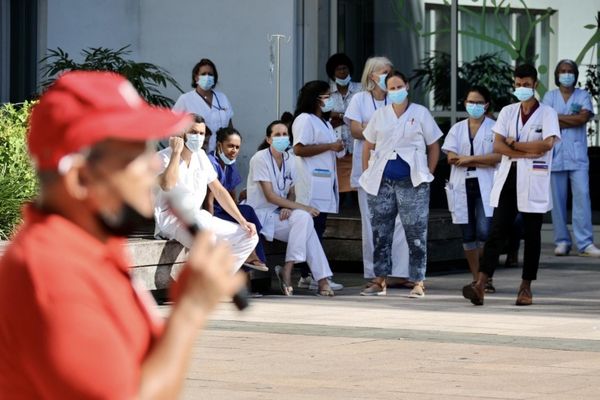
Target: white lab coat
{"points": [[217, 116], [317, 183], [361, 109], [407, 137], [533, 175], [195, 179], [457, 141], [298, 230]]}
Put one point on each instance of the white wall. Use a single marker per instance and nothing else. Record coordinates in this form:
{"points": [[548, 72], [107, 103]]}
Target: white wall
{"points": [[233, 34], [76, 24]]}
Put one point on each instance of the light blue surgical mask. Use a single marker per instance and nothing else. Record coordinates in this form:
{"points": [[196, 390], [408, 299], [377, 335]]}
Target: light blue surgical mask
{"points": [[398, 96], [475, 110], [206, 82], [224, 158], [523, 93], [343, 82], [194, 142], [382, 82], [327, 105], [281, 143], [567, 79]]}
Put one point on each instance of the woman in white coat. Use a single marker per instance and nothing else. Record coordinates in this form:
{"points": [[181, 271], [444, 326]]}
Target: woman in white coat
{"points": [[270, 191], [205, 101], [357, 116], [524, 134], [400, 154], [470, 149]]}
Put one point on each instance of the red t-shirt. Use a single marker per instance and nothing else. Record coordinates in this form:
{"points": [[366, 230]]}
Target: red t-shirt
{"points": [[72, 326]]}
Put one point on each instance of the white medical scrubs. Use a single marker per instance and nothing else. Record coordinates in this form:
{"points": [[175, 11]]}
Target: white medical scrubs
{"points": [[457, 141], [195, 179], [316, 184], [216, 116], [298, 230]]}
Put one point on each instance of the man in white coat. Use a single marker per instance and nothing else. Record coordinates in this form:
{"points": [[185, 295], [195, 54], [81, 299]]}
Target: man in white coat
{"points": [[525, 133]]}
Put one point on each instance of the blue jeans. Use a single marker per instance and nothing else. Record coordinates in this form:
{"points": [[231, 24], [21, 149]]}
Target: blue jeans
{"points": [[582, 210], [476, 231], [399, 197]]}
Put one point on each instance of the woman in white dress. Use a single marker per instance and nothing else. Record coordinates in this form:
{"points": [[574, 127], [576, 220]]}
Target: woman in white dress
{"points": [[271, 192], [205, 101]]}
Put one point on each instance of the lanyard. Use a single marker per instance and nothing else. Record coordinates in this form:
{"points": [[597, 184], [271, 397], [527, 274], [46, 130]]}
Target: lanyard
{"points": [[517, 125], [375, 105], [281, 189]]}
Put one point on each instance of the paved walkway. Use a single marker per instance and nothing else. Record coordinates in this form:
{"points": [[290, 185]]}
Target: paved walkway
{"points": [[439, 347]]}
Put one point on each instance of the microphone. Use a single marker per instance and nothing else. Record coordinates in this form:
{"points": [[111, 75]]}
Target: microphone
{"points": [[181, 203]]}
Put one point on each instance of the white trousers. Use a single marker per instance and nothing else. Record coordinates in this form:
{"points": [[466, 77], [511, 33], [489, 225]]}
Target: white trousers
{"points": [[399, 244], [302, 243], [239, 242]]}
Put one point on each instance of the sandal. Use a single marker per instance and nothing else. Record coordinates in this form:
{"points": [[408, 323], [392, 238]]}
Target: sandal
{"points": [[257, 265], [326, 292], [374, 289], [286, 290]]}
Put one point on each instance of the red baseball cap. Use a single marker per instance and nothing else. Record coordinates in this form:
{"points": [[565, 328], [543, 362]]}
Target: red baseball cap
{"points": [[82, 108]]}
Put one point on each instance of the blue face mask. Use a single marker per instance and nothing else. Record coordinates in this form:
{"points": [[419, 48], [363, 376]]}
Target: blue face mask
{"points": [[382, 82], [343, 82], [398, 96], [327, 105], [224, 158], [475, 110], [281, 143], [206, 82], [523, 93], [194, 142], [566, 80]]}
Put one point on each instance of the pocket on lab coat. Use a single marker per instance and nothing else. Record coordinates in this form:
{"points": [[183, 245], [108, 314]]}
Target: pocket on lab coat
{"points": [[538, 187]]}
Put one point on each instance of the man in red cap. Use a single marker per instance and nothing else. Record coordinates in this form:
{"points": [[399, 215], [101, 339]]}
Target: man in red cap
{"points": [[72, 324]]}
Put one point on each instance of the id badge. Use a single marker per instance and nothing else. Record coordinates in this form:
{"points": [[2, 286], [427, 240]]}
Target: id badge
{"points": [[471, 174], [539, 167]]}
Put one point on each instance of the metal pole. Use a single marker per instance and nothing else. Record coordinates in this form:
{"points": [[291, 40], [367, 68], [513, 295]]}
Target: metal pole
{"points": [[278, 38], [453, 60]]}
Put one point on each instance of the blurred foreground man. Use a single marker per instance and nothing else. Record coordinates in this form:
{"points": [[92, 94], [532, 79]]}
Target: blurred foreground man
{"points": [[72, 323]]}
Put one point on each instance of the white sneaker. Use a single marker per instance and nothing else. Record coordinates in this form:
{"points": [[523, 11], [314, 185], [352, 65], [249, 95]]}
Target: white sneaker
{"points": [[562, 249], [305, 283], [314, 285], [589, 251]]}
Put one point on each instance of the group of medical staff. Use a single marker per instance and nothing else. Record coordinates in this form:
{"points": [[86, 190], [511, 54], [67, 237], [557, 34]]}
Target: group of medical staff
{"points": [[372, 139]]}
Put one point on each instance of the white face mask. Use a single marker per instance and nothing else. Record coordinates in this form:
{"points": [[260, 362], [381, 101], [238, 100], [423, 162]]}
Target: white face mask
{"points": [[194, 142]]}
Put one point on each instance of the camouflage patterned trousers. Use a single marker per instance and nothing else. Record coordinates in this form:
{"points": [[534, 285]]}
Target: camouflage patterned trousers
{"points": [[412, 204]]}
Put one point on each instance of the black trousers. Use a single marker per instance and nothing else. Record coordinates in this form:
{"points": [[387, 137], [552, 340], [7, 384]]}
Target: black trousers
{"points": [[502, 230]]}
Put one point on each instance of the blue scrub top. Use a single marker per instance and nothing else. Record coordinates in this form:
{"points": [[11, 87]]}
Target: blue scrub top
{"points": [[229, 176], [570, 153], [397, 169]]}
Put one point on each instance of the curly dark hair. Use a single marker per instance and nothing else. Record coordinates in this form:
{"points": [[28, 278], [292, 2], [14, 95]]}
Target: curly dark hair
{"points": [[335, 61]]}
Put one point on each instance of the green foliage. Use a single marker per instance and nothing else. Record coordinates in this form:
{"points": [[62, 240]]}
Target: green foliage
{"points": [[147, 78], [486, 70], [515, 47], [18, 182], [592, 41]]}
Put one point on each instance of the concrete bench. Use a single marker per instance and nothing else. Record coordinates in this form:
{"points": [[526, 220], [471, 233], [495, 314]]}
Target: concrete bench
{"points": [[157, 263]]}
